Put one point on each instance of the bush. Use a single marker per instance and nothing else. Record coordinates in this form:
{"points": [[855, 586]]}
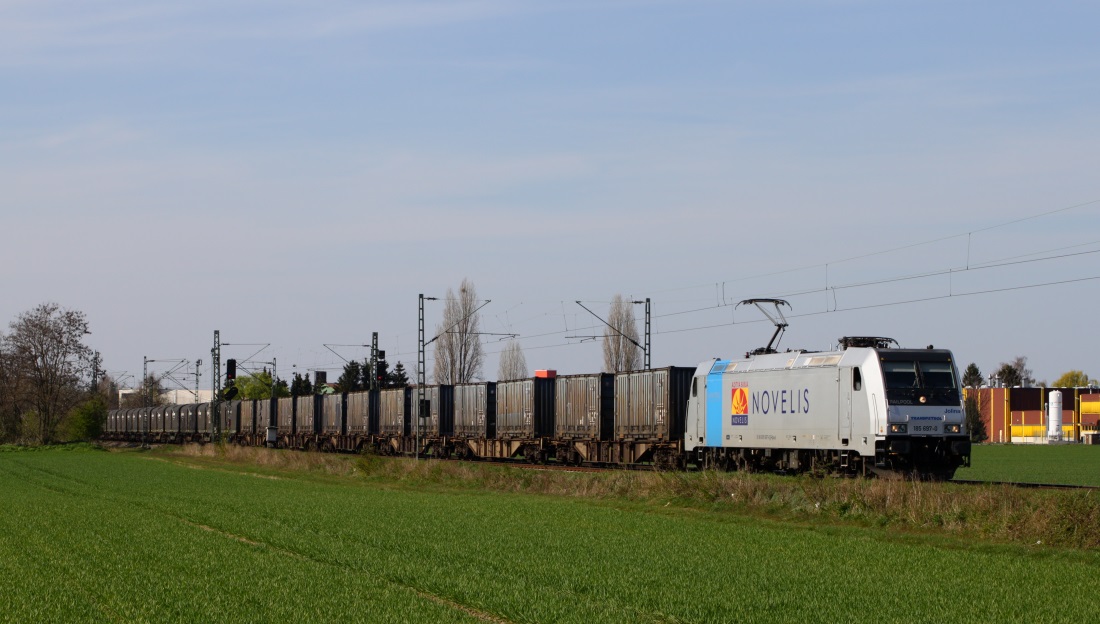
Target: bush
{"points": [[86, 420]]}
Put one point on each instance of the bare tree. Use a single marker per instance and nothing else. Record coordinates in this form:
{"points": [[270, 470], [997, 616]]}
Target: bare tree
{"points": [[46, 350], [513, 365], [620, 340], [108, 389], [458, 353], [11, 396]]}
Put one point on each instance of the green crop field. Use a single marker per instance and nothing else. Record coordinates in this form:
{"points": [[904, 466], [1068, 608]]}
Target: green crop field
{"points": [[138, 536], [1064, 464]]}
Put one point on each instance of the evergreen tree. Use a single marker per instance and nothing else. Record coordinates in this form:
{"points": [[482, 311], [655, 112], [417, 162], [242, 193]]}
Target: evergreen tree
{"points": [[974, 422], [972, 377], [398, 378], [301, 385], [352, 378]]}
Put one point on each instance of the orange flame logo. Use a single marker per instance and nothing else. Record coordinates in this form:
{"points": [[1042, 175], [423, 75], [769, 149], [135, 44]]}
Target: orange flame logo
{"points": [[740, 401]]}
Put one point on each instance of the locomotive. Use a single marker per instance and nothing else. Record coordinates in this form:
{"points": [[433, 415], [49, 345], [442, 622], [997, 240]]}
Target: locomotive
{"points": [[860, 409], [868, 407]]}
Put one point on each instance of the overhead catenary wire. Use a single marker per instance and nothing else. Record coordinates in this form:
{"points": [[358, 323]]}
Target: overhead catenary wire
{"points": [[826, 264], [721, 295]]}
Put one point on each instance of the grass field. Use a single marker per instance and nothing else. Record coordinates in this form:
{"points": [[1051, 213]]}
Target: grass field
{"points": [[128, 536], [1067, 464]]}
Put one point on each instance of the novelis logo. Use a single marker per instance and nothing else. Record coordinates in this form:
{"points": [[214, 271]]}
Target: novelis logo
{"points": [[739, 405], [740, 402]]}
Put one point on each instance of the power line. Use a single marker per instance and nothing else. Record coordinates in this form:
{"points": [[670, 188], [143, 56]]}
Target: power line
{"points": [[896, 303], [825, 265]]}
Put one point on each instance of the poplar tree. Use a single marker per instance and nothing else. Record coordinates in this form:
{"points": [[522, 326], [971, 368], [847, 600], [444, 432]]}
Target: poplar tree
{"points": [[458, 352], [620, 348]]}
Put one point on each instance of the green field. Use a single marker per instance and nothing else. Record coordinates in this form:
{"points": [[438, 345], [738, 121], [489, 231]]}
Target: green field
{"points": [[128, 536], [1065, 464]]}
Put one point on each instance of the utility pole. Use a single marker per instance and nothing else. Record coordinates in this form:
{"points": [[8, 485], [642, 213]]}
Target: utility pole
{"points": [[272, 422], [144, 376], [420, 372], [145, 398], [95, 371], [647, 332], [216, 386], [374, 353], [198, 363]]}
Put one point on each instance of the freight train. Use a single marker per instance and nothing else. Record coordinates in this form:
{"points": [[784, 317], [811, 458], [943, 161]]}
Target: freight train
{"points": [[866, 407]]}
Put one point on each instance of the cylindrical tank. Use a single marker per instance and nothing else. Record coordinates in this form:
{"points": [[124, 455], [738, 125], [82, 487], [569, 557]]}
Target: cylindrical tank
{"points": [[1054, 416]]}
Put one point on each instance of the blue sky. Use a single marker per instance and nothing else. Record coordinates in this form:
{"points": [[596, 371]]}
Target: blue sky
{"points": [[295, 173]]}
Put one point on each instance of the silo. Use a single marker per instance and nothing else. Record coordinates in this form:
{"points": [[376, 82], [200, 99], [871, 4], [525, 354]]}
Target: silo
{"points": [[1054, 416]]}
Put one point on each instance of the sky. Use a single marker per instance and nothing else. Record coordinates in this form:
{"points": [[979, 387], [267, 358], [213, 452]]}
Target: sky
{"points": [[294, 174]]}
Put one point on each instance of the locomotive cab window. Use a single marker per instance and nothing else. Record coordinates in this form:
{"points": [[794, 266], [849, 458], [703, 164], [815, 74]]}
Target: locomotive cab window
{"points": [[857, 379], [695, 387], [910, 377]]}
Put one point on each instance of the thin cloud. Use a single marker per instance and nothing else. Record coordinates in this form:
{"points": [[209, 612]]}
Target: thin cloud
{"points": [[36, 33]]}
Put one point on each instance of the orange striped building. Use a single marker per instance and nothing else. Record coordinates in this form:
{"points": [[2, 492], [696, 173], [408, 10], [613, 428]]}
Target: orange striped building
{"points": [[1020, 414]]}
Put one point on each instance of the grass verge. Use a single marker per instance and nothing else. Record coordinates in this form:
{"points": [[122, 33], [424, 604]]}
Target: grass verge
{"points": [[1001, 514]]}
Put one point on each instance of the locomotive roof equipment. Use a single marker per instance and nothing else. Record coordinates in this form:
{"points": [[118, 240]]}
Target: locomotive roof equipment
{"points": [[868, 342], [777, 319]]}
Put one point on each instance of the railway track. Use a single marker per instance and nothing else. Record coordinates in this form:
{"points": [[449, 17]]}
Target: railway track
{"points": [[1022, 485], [1031, 486]]}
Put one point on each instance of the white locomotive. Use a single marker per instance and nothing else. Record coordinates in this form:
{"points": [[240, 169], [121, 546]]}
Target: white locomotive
{"points": [[866, 407]]}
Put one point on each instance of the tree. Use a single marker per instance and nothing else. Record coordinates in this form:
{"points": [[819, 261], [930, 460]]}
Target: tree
{"points": [[620, 340], [152, 391], [1015, 373], [972, 377], [300, 385], [11, 397], [1074, 379], [974, 423], [258, 386], [46, 351], [1009, 377], [352, 378], [458, 352], [398, 378], [513, 365], [108, 389]]}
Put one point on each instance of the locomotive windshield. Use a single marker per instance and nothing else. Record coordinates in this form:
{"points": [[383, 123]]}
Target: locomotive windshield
{"points": [[927, 378]]}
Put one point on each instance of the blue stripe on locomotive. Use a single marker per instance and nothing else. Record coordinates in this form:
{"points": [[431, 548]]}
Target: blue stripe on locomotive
{"points": [[713, 436]]}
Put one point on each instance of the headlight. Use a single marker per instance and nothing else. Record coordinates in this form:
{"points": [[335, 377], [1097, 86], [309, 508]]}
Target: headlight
{"points": [[899, 428], [952, 428]]}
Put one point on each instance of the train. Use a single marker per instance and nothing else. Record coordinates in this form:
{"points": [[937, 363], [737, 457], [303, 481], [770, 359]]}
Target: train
{"points": [[867, 407]]}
